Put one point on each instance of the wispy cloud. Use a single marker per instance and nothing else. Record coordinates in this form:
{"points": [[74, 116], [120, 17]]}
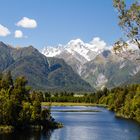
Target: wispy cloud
{"points": [[4, 31], [27, 23]]}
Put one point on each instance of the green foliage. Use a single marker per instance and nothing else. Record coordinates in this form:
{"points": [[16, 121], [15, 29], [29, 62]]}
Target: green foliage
{"points": [[20, 107], [6, 81], [125, 101]]}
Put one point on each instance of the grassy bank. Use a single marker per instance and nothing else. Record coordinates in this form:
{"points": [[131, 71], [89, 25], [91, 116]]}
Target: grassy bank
{"points": [[76, 111], [70, 104], [6, 129]]}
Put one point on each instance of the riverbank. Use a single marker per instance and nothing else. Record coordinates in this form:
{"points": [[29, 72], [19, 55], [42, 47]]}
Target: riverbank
{"points": [[70, 104], [6, 129]]}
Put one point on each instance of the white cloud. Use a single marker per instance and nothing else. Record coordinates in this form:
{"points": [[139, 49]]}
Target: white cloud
{"points": [[98, 42], [4, 31], [18, 34], [27, 23]]}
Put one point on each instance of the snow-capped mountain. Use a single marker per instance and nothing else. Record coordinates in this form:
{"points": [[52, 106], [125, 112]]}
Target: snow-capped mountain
{"points": [[78, 49], [96, 63]]}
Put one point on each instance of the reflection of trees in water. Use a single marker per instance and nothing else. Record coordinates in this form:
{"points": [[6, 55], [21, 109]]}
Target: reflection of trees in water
{"points": [[35, 135], [47, 134], [28, 135]]}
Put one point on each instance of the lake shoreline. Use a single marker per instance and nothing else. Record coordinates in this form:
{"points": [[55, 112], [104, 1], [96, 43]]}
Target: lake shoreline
{"points": [[76, 111], [7, 129]]}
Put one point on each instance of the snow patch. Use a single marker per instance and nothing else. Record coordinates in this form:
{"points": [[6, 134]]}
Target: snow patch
{"points": [[122, 65], [135, 71], [101, 80]]}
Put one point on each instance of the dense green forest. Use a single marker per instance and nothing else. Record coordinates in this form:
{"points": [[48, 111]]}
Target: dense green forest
{"points": [[20, 107], [125, 101]]}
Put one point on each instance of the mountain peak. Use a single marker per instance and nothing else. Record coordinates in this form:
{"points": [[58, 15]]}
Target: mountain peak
{"points": [[78, 49]]}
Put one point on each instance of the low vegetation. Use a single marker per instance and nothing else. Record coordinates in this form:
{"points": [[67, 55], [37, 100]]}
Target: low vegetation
{"points": [[71, 104], [76, 111], [6, 129]]}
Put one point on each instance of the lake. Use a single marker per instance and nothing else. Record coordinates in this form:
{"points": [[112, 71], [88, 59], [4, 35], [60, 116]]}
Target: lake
{"points": [[101, 125]]}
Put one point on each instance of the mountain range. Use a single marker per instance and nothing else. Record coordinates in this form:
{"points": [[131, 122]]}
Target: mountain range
{"points": [[43, 73], [96, 63], [76, 66]]}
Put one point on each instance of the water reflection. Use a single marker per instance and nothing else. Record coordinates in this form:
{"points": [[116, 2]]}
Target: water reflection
{"points": [[46, 135], [94, 126], [28, 135]]}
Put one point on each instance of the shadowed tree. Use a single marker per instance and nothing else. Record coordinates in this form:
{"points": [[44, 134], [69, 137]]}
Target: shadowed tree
{"points": [[7, 81]]}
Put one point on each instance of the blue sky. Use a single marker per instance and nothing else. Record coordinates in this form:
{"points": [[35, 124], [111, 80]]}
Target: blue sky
{"points": [[59, 21]]}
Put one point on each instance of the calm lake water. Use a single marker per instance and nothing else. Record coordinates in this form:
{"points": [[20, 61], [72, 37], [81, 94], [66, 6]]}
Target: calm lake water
{"points": [[84, 126]]}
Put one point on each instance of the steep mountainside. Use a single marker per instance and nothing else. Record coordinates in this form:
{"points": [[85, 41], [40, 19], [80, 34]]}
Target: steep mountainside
{"points": [[5, 57], [109, 71], [134, 79], [41, 72]]}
